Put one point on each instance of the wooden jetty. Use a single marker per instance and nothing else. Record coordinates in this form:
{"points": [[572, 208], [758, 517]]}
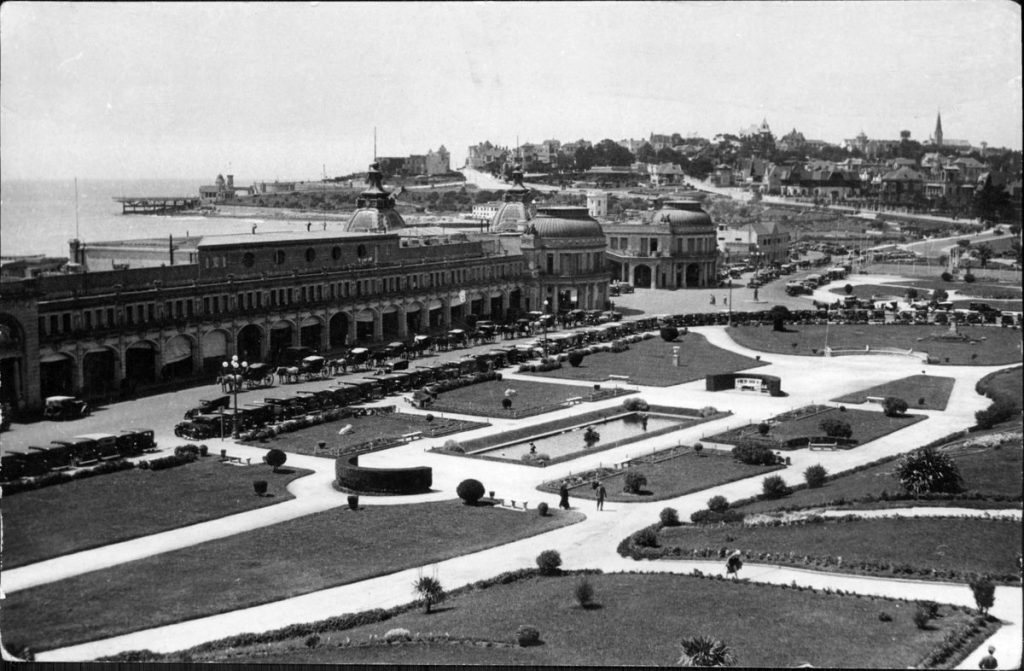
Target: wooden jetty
{"points": [[156, 204]]}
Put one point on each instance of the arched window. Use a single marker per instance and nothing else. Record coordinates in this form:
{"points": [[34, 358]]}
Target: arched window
{"points": [[310, 255], [248, 259], [279, 257]]}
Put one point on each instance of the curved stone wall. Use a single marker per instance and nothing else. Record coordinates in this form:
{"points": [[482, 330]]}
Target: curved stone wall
{"points": [[351, 476]]}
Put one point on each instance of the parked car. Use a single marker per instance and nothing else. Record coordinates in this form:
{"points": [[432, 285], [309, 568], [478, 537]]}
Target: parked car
{"points": [[65, 408]]}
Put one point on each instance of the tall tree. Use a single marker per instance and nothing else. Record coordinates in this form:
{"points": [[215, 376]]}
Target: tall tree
{"points": [[705, 651]]}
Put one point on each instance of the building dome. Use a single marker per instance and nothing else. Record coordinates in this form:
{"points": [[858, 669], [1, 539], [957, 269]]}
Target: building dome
{"points": [[683, 214], [565, 222], [376, 213]]}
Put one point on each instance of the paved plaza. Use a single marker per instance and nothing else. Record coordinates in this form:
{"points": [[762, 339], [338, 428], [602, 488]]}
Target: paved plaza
{"points": [[589, 544]]}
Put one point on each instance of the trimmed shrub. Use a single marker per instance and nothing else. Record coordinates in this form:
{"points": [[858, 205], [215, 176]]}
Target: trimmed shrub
{"points": [[646, 538], [506, 403], [1000, 411], [635, 481], [575, 358], [669, 517], [984, 593], [190, 452], [894, 407], [668, 333], [470, 491], [884, 617], [527, 635], [754, 455], [835, 428], [718, 503], [946, 276], [635, 404], [542, 509], [549, 562], [697, 447], [312, 641], [815, 476], [711, 517], [763, 428], [260, 487], [969, 277], [922, 616], [397, 634], [774, 487], [584, 592], [926, 471], [275, 458]]}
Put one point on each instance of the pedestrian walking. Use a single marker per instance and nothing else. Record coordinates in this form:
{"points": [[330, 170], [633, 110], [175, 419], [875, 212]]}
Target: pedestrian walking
{"points": [[601, 493], [733, 565], [309, 225], [563, 493], [989, 660], [533, 449]]}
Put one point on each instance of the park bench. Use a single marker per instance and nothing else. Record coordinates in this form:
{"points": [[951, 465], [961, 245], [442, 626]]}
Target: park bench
{"points": [[574, 400], [822, 445], [875, 399]]}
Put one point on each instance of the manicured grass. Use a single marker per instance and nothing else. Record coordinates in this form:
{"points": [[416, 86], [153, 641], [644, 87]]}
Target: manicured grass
{"points": [[639, 621], [1004, 385], [304, 555], [988, 470], [364, 429], [880, 291], [866, 425], [933, 390], [92, 512], [990, 346], [685, 473], [649, 363], [485, 398], [991, 290], [958, 544]]}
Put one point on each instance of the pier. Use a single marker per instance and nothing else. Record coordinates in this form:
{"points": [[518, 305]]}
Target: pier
{"points": [[156, 204]]}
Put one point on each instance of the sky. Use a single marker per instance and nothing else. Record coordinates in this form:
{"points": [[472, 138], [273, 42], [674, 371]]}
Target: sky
{"points": [[289, 90]]}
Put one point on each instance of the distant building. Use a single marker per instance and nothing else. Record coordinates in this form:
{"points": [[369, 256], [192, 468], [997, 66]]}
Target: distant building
{"points": [[223, 189], [597, 204], [439, 162], [765, 241], [663, 174]]}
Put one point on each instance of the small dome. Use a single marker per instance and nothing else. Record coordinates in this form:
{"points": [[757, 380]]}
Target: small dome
{"points": [[510, 217], [565, 222], [376, 213], [680, 214]]}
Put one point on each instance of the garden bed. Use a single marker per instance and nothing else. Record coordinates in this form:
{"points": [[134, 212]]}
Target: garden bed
{"points": [[368, 433], [792, 430], [926, 392], [649, 363], [927, 548], [530, 398], [637, 621], [984, 345], [300, 556], [114, 507], [670, 473]]}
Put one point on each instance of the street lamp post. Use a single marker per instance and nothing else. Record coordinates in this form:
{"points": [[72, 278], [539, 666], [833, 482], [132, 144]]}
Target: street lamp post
{"points": [[730, 301], [234, 368], [544, 324]]}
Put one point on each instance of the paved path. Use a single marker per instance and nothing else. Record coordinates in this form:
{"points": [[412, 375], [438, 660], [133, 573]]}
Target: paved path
{"points": [[588, 544]]}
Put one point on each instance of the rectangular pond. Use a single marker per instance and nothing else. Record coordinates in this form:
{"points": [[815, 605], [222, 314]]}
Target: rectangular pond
{"points": [[620, 429]]}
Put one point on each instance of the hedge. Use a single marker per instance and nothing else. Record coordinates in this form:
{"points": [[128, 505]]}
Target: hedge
{"points": [[351, 476]]}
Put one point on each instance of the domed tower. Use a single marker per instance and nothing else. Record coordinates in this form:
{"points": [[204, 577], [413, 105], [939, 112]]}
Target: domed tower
{"points": [[513, 215], [376, 213], [564, 249]]}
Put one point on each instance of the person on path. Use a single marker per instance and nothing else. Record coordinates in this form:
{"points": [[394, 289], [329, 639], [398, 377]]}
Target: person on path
{"points": [[309, 225], [733, 565], [989, 661], [563, 493], [533, 449], [601, 493]]}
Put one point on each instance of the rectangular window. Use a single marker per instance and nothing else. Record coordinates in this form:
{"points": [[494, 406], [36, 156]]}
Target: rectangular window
{"points": [[151, 311], [319, 292], [551, 264], [88, 319], [110, 316]]}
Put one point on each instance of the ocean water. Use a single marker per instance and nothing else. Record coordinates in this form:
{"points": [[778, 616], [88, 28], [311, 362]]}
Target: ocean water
{"points": [[38, 216]]}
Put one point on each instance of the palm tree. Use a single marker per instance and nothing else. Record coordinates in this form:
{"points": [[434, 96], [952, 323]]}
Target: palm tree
{"points": [[430, 590], [705, 651]]}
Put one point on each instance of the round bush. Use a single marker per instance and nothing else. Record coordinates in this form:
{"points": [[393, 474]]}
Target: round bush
{"points": [[669, 517], [718, 503], [774, 487], [635, 481], [542, 509], [836, 428], [815, 476], [506, 403], [260, 487], [969, 277], [470, 491], [763, 428], [894, 407], [646, 538], [947, 276], [575, 358], [668, 333], [584, 592], [549, 562], [527, 635], [276, 458]]}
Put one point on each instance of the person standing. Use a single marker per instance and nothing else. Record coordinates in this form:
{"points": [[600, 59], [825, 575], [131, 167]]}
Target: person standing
{"points": [[601, 493], [989, 660], [733, 565], [563, 493]]}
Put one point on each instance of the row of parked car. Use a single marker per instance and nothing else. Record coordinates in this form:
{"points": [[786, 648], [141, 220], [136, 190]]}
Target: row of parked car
{"points": [[73, 452]]}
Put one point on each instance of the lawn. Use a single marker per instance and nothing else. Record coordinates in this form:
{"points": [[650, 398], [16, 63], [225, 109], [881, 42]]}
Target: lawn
{"points": [[364, 429], [92, 512], [1003, 304], [986, 346], [638, 621], [485, 398], [927, 392], [649, 363], [684, 473], [1004, 384], [304, 555], [990, 290], [986, 469], [932, 544], [805, 422]]}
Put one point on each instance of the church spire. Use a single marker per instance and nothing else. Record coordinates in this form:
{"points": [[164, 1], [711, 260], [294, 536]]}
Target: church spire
{"points": [[938, 130]]}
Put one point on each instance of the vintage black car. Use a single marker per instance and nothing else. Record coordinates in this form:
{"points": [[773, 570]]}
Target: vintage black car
{"points": [[203, 426], [65, 408]]}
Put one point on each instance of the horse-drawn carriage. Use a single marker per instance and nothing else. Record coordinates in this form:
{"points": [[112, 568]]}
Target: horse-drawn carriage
{"points": [[314, 368], [253, 376]]}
